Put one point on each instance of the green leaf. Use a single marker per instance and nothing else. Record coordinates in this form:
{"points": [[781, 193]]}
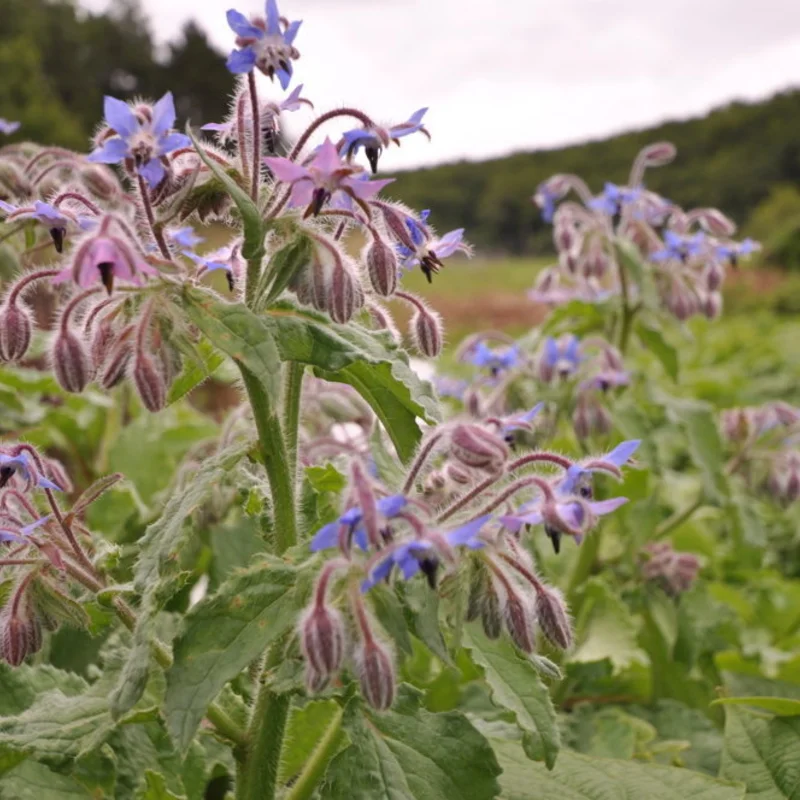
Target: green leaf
{"points": [[655, 343], [237, 331], [516, 685], [782, 706], [762, 753], [580, 777], [58, 605], [20, 686], [282, 268], [370, 362], [412, 754], [306, 727], [706, 449], [253, 247], [33, 781], [195, 371], [156, 788], [222, 634]]}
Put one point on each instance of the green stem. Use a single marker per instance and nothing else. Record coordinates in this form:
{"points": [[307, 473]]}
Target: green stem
{"points": [[258, 778], [587, 555], [627, 311], [292, 392], [276, 461], [678, 518], [315, 767]]}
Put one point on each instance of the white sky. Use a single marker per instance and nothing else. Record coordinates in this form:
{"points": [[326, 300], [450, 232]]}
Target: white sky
{"points": [[520, 74]]}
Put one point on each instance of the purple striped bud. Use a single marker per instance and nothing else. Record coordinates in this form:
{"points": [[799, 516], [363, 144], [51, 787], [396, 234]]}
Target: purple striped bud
{"points": [[711, 305], [714, 275], [15, 332], [381, 262], [100, 181], [681, 301], [322, 639], [346, 295], [375, 673], [491, 611], [715, 222], [658, 154], [70, 361], [315, 682], [563, 235], [551, 611], [395, 221], [427, 332], [15, 641], [103, 339], [520, 619], [457, 474], [149, 383], [476, 447], [116, 364]]}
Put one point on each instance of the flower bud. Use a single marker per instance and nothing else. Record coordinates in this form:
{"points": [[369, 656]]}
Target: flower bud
{"points": [[346, 295], [569, 261], [476, 447], [472, 402], [714, 275], [149, 383], [14, 644], [582, 420], [551, 611], [15, 332], [711, 305], [715, 222], [520, 619], [455, 473], [381, 264], [563, 236], [658, 154], [70, 361], [315, 682], [375, 673], [100, 181], [322, 639], [735, 424], [103, 338], [681, 301], [116, 364], [491, 613], [426, 327], [395, 221]]}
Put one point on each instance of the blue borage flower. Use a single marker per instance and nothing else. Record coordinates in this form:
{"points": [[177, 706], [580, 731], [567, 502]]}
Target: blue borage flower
{"points": [[679, 248], [496, 360], [263, 44], [374, 139], [22, 465], [145, 138], [184, 237], [20, 536], [450, 387], [411, 557], [733, 251], [612, 199], [611, 462], [8, 127], [428, 252], [561, 356], [328, 536], [521, 421], [548, 193], [57, 222]]}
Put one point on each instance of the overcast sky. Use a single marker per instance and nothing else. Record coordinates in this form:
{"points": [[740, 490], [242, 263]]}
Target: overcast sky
{"points": [[521, 74]]}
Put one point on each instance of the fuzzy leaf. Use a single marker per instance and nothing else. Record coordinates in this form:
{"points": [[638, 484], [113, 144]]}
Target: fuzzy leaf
{"points": [[222, 634], [412, 754], [762, 753], [655, 343], [516, 685]]}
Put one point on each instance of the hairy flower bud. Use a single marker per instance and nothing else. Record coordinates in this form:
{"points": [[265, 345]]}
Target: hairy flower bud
{"points": [[116, 364], [322, 639], [711, 305], [70, 361], [103, 338], [658, 154], [346, 295], [100, 181], [735, 424], [520, 620], [715, 222], [426, 327], [551, 611], [15, 640], [149, 383], [382, 267], [714, 275], [375, 673], [476, 447], [15, 332], [491, 612], [681, 301]]}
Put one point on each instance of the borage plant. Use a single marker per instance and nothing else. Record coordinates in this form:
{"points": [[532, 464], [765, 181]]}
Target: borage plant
{"points": [[340, 596]]}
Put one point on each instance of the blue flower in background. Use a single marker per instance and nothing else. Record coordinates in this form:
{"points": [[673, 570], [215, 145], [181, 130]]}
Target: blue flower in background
{"points": [[562, 356], [263, 44], [8, 127], [733, 251], [145, 141], [21, 465], [496, 360], [610, 462], [374, 139], [611, 200], [18, 536], [679, 248], [328, 536]]}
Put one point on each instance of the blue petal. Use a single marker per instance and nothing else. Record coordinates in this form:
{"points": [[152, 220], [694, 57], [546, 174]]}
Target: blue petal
{"points": [[466, 534], [291, 32], [550, 351], [622, 452], [153, 172], [285, 75], [173, 142], [351, 516], [391, 506], [34, 525], [570, 481], [273, 18], [360, 538], [163, 115], [381, 571], [241, 61], [112, 151], [120, 116], [409, 566], [241, 26], [44, 483], [571, 352], [325, 538]]}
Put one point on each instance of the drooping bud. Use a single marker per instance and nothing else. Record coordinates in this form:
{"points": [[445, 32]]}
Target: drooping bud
{"points": [[478, 448], [551, 611], [149, 383], [322, 639], [100, 181], [735, 424], [70, 361], [457, 474], [714, 221], [103, 338], [15, 641], [491, 612], [382, 267], [711, 305], [375, 673], [15, 331], [681, 301], [520, 619], [117, 362], [426, 327], [658, 154]]}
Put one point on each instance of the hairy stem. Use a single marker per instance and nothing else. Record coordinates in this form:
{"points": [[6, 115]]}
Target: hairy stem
{"points": [[158, 234], [256, 165], [276, 461], [421, 458], [292, 393], [336, 112], [314, 768]]}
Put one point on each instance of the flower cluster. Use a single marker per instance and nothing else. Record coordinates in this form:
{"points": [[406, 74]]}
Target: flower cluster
{"points": [[684, 253]]}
